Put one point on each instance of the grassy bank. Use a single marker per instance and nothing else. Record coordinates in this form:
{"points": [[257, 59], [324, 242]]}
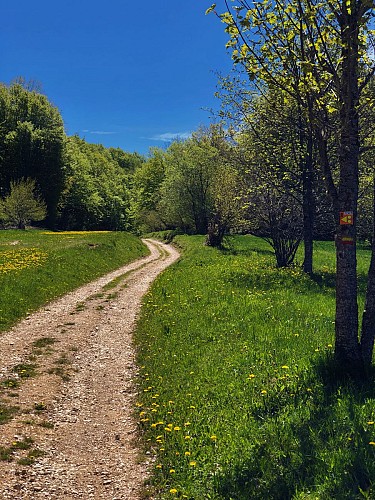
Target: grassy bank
{"points": [[37, 266], [238, 400]]}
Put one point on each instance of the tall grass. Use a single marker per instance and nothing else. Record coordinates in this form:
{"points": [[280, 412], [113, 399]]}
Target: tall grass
{"points": [[238, 396], [37, 266]]}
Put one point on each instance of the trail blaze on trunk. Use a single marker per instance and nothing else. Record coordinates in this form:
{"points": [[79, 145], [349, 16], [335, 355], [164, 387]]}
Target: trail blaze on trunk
{"points": [[347, 347]]}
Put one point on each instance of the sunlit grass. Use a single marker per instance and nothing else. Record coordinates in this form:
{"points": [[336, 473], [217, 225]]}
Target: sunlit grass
{"points": [[37, 266], [237, 397]]}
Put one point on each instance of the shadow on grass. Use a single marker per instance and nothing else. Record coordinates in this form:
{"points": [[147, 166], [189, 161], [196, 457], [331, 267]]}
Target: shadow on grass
{"points": [[230, 247], [326, 453], [328, 280]]}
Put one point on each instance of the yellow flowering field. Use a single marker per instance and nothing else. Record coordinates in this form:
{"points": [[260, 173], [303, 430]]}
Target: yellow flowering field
{"points": [[38, 266], [72, 233], [16, 260]]}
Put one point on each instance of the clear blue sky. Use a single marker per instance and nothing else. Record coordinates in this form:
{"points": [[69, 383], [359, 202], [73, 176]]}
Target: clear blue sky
{"points": [[122, 73]]}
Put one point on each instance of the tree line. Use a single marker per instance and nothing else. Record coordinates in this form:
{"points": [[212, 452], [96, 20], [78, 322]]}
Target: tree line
{"points": [[82, 185], [244, 174]]}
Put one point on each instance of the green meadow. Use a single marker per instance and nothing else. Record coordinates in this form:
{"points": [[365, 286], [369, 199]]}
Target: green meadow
{"points": [[238, 395], [37, 266]]}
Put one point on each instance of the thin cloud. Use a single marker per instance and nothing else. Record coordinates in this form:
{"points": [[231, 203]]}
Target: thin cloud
{"points": [[170, 136], [101, 132]]}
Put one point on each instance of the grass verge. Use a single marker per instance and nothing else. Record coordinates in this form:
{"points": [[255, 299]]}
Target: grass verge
{"points": [[38, 266], [239, 398]]}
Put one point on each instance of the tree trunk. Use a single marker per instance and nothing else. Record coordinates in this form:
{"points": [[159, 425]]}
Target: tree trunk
{"points": [[347, 347], [308, 206]]}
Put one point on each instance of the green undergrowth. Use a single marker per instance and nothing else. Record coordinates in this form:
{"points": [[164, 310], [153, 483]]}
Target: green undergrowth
{"points": [[37, 266], [239, 397]]}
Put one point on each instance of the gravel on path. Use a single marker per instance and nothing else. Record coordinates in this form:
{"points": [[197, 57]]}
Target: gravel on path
{"points": [[75, 414]]}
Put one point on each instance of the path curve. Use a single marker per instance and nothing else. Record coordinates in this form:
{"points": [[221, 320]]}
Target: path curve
{"points": [[78, 407]]}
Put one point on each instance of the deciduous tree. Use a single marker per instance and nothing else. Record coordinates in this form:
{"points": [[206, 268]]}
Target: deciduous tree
{"points": [[23, 204], [319, 53]]}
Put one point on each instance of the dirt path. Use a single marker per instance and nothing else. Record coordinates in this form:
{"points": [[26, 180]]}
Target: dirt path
{"points": [[74, 417]]}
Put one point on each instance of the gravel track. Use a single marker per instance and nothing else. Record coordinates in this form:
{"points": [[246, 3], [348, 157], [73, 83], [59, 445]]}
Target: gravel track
{"points": [[78, 408]]}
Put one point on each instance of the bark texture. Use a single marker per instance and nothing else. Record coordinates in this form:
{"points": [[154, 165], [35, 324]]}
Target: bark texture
{"points": [[347, 348]]}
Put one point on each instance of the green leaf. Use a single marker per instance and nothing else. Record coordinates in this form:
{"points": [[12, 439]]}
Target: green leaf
{"points": [[210, 9]]}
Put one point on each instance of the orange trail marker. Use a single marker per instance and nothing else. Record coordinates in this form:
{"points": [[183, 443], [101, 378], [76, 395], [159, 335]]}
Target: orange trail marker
{"points": [[346, 218]]}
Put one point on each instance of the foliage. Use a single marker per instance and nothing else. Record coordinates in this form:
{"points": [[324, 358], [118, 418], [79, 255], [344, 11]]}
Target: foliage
{"points": [[272, 156], [226, 209], [22, 205], [193, 187], [31, 142], [145, 194], [129, 162], [321, 55], [58, 262], [238, 396], [96, 193], [185, 193], [85, 186]]}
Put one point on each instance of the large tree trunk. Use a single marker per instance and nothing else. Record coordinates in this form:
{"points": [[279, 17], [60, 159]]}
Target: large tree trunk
{"points": [[347, 348]]}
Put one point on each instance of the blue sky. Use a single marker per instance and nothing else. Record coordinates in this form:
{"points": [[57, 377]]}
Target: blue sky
{"points": [[126, 74]]}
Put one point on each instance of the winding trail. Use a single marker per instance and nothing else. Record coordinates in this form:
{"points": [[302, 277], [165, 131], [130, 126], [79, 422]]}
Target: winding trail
{"points": [[78, 408]]}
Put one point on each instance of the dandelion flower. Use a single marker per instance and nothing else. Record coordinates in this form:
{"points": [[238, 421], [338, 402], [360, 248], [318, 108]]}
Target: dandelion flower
{"points": [[213, 437], [370, 422], [372, 443], [285, 367], [193, 463], [173, 491], [172, 471], [187, 453]]}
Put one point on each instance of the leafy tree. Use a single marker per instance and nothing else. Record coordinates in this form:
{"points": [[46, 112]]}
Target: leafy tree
{"points": [[319, 52], [200, 190], [226, 211], [96, 193], [128, 161], [185, 193], [273, 184], [145, 193], [31, 142], [23, 204]]}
